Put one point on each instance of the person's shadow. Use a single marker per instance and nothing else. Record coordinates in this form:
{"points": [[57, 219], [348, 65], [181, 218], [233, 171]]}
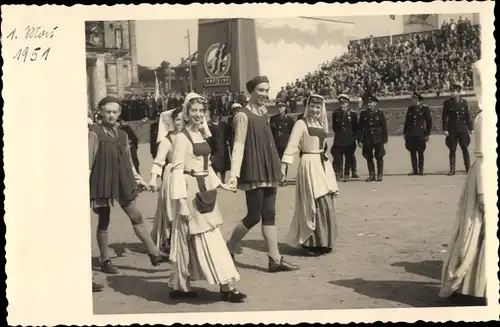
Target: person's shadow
{"points": [[121, 249], [260, 246], [96, 266], [153, 291], [429, 268], [411, 293]]}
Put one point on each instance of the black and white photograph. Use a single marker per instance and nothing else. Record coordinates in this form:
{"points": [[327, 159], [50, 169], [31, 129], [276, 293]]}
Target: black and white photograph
{"points": [[284, 163]]}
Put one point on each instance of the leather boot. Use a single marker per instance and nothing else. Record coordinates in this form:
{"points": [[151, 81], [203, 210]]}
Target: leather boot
{"points": [[413, 157], [421, 164], [452, 165], [466, 161], [380, 170], [353, 167], [371, 171]]}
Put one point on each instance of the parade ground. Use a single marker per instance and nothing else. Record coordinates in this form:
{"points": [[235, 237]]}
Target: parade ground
{"points": [[392, 239]]}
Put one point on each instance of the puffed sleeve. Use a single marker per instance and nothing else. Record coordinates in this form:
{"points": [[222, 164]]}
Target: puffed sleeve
{"points": [[93, 147], [177, 178], [161, 157], [293, 142], [240, 125], [479, 153]]}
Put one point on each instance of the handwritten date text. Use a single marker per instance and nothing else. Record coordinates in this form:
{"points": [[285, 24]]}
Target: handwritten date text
{"points": [[33, 54]]}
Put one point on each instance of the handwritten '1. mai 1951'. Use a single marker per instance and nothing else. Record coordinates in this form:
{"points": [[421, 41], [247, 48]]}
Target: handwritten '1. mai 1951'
{"points": [[33, 32]]}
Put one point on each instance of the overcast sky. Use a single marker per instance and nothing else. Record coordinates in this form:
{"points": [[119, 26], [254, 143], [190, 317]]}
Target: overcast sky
{"points": [[159, 40]]}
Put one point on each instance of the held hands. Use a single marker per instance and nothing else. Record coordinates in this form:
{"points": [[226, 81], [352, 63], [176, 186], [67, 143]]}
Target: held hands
{"points": [[446, 133], [233, 181], [152, 185], [142, 185], [283, 174], [228, 187]]}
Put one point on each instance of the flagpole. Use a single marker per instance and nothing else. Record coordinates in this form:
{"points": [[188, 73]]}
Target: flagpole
{"points": [[189, 61]]}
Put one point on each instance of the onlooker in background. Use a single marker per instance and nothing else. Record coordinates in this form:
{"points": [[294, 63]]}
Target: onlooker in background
{"points": [[133, 142]]}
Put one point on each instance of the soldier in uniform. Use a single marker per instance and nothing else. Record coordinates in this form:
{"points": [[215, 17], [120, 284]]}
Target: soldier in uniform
{"points": [[345, 125], [281, 126], [417, 128], [153, 136], [457, 126], [372, 136]]}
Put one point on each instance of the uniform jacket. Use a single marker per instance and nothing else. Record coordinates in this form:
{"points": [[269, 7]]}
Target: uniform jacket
{"points": [[281, 126], [456, 116], [345, 127], [372, 127], [418, 121]]}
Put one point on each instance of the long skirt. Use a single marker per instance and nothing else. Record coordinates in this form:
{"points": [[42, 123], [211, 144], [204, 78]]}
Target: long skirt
{"points": [[199, 257], [464, 265], [163, 222], [325, 233], [314, 222]]}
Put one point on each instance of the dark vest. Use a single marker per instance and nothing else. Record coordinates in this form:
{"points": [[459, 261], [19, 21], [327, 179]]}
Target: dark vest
{"points": [[261, 162]]}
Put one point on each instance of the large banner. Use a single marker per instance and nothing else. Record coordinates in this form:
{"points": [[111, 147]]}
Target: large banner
{"points": [[289, 48], [215, 55]]}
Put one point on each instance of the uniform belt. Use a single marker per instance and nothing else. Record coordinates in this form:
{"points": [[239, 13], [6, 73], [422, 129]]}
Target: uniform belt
{"points": [[193, 173]]}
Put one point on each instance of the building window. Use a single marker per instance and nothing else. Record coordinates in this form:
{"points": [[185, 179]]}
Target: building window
{"points": [[118, 38], [106, 71]]}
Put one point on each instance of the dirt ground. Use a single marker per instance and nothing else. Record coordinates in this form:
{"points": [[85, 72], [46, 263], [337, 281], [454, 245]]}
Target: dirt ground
{"points": [[392, 240]]}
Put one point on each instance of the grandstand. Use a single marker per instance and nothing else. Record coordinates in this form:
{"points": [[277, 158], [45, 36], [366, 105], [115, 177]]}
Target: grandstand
{"points": [[395, 66]]}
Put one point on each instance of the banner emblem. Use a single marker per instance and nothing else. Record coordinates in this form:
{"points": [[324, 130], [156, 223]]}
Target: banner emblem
{"points": [[217, 62]]}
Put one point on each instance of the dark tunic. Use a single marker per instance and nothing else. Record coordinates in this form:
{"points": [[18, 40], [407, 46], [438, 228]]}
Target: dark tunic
{"points": [[220, 148], [372, 127], [456, 116], [281, 127], [261, 162], [418, 121], [344, 125], [111, 176]]}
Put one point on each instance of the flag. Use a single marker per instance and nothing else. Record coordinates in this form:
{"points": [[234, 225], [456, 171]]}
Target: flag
{"points": [[187, 35], [393, 17], [157, 88]]}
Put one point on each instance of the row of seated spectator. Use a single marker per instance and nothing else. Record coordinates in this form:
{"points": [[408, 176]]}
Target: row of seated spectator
{"points": [[427, 61]]}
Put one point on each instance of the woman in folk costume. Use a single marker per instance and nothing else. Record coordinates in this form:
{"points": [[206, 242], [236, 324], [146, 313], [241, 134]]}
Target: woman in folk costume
{"points": [[198, 250], [314, 226], [113, 178], [463, 271], [170, 123]]}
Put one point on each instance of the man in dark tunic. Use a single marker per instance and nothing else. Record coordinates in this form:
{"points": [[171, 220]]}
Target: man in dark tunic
{"points": [[133, 142], [281, 127], [345, 125], [256, 169], [153, 136], [417, 128], [457, 126], [372, 136]]}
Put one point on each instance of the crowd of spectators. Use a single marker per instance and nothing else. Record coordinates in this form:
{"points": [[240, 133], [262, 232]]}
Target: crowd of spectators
{"points": [[427, 61]]}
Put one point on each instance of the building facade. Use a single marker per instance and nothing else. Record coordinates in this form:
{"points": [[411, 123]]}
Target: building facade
{"points": [[111, 54]]}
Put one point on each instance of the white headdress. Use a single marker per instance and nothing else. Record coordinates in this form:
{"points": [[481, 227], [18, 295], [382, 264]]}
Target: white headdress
{"points": [[323, 118], [165, 124], [477, 71], [204, 125]]}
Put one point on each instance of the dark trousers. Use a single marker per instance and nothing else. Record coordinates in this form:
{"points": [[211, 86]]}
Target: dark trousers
{"points": [[338, 154], [371, 151], [261, 204], [135, 159], [416, 145], [463, 140]]}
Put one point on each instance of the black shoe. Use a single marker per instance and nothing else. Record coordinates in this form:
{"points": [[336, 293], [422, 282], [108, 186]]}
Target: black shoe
{"points": [[354, 174], [413, 173], [346, 178], [107, 267], [156, 260], [232, 296], [451, 172], [281, 266], [379, 178], [421, 173], [370, 178], [182, 295], [97, 287], [310, 252]]}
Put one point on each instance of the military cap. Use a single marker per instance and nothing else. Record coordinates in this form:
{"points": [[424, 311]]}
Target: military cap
{"points": [[251, 84], [456, 86], [280, 103], [369, 97], [343, 97]]}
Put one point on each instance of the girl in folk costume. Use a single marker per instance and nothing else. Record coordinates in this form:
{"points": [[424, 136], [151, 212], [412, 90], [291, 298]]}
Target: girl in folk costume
{"points": [[170, 123], [314, 225], [463, 271], [113, 178], [198, 250]]}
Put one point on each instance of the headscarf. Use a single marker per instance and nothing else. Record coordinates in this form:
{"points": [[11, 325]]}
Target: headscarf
{"points": [[323, 119], [477, 71], [166, 124], [204, 125]]}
